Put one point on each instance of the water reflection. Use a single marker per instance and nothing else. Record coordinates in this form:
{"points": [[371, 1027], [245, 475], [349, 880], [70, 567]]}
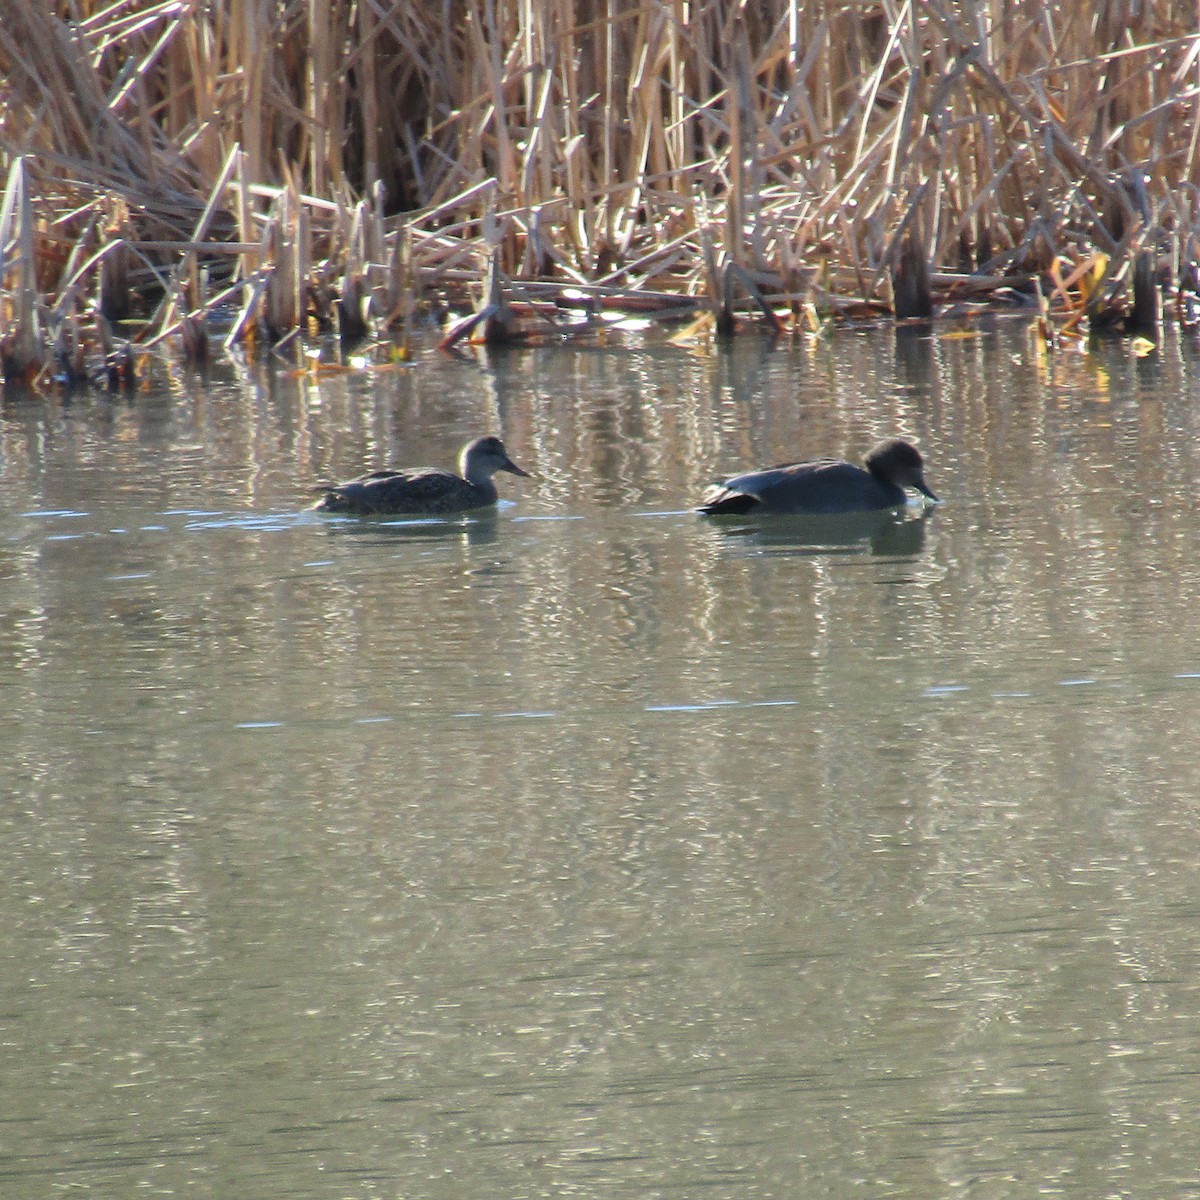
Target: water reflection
{"points": [[475, 530], [886, 533], [588, 846]]}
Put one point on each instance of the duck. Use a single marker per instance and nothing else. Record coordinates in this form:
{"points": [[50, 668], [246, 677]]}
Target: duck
{"points": [[433, 490], [824, 486]]}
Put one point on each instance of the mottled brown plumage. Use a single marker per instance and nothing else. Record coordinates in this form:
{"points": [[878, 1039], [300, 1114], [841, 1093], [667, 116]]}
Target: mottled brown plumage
{"points": [[431, 490]]}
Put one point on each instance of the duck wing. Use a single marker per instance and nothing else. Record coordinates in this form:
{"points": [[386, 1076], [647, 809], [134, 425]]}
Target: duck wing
{"points": [[824, 486], [415, 490], [820, 487]]}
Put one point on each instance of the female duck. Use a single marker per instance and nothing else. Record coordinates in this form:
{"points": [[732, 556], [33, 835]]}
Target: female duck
{"points": [[824, 486], [426, 489]]}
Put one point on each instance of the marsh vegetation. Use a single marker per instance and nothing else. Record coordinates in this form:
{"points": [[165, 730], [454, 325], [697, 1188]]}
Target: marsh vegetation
{"points": [[358, 166]]}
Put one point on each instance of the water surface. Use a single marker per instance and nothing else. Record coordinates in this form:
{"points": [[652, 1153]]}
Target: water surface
{"points": [[591, 847]]}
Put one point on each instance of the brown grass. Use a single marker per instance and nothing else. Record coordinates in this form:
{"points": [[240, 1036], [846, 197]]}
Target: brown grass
{"points": [[342, 162]]}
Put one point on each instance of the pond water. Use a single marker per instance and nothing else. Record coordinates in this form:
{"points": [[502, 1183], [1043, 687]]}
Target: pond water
{"points": [[593, 847]]}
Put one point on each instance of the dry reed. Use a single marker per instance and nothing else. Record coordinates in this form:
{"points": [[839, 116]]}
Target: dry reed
{"points": [[340, 163]]}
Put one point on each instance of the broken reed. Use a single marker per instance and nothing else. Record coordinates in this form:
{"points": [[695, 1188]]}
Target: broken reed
{"points": [[246, 155]]}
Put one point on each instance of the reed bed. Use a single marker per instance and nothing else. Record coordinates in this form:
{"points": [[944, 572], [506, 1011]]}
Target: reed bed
{"points": [[355, 165]]}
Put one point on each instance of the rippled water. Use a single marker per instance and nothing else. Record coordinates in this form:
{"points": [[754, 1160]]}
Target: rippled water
{"points": [[593, 848]]}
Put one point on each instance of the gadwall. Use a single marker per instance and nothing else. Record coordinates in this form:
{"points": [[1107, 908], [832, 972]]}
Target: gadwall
{"points": [[426, 489], [827, 485]]}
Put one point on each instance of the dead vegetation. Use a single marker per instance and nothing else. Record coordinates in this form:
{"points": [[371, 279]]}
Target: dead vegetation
{"points": [[253, 169]]}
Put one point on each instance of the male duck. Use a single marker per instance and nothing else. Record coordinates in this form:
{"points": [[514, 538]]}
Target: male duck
{"points": [[426, 489], [824, 486]]}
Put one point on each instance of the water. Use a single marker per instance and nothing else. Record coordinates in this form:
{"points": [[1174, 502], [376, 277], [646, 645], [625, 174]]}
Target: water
{"points": [[593, 848]]}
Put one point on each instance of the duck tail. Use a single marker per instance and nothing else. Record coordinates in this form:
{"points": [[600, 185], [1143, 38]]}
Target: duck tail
{"points": [[725, 503], [331, 500]]}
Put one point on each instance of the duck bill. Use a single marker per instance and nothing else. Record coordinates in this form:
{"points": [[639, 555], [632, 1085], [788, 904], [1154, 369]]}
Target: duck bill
{"points": [[923, 488], [512, 468]]}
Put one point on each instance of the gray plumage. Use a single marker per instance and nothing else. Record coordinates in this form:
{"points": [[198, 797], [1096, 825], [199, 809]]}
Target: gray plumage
{"points": [[825, 485], [426, 489]]}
